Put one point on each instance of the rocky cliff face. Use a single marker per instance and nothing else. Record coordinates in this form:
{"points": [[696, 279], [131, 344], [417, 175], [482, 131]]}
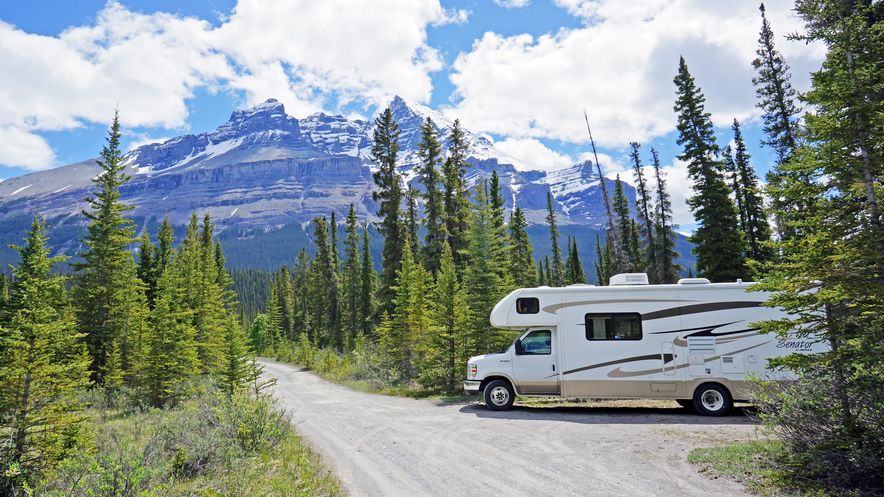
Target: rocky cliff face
{"points": [[264, 169]]}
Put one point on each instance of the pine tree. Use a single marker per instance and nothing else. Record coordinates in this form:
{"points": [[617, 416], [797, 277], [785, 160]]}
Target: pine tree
{"points": [[172, 358], [574, 268], [751, 203], [4, 294], [521, 257], [411, 222], [367, 304], [325, 277], [541, 276], [664, 230], [603, 266], [225, 281], [547, 273], [430, 153], [210, 315], [44, 365], [108, 296], [147, 267], [274, 317], [730, 168], [444, 353], [456, 203], [259, 334], [776, 98], [301, 294], [351, 280], [635, 248], [233, 373], [165, 242], [626, 259], [285, 295], [719, 247], [557, 274], [645, 210], [333, 242], [389, 194], [499, 239]]}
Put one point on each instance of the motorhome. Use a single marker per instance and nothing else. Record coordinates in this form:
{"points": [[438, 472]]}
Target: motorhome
{"points": [[694, 342]]}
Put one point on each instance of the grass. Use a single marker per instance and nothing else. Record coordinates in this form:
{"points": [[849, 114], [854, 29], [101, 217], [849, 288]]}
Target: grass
{"points": [[751, 463], [210, 446]]}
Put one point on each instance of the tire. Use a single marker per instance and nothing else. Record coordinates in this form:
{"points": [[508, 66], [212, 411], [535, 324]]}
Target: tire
{"points": [[499, 395], [712, 399], [686, 403]]}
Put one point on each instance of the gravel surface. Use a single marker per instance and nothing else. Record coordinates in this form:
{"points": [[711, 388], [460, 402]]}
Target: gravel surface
{"points": [[393, 446]]}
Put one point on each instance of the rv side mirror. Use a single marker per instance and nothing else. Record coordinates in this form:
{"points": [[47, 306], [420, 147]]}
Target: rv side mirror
{"points": [[519, 348]]}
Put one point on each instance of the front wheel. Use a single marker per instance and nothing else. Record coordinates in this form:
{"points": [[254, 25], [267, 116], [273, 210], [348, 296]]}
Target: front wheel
{"points": [[499, 395], [713, 399]]}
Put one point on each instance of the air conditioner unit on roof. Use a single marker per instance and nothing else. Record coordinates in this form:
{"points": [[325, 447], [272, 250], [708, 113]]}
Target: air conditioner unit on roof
{"points": [[625, 279]]}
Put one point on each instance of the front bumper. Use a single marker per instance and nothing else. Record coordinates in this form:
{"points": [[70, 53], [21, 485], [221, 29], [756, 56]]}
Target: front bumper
{"points": [[471, 387]]}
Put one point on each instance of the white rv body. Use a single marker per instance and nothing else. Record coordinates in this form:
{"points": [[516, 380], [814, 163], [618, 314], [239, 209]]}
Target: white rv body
{"points": [[634, 341]]}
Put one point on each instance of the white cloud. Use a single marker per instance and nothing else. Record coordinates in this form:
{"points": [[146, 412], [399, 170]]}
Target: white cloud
{"points": [[512, 4], [619, 66], [149, 65], [531, 154], [24, 149]]}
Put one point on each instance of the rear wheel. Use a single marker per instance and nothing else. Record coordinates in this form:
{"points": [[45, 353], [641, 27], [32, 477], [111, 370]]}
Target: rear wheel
{"points": [[499, 395], [712, 399]]}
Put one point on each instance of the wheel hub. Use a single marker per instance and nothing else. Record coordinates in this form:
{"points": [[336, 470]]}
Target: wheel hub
{"points": [[500, 396]]}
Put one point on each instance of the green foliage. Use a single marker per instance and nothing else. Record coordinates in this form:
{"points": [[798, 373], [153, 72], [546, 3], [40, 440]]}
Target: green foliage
{"points": [[573, 267], [645, 210], [753, 219], [664, 229], [43, 363], [719, 245], [368, 284], [351, 281], [521, 254], [259, 333], [384, 151], [557, 272], [455, 200], [430, 153]]}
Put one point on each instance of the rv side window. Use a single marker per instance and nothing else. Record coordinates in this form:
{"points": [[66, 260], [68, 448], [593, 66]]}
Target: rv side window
{"points": [[528, 305], [614, 326]]}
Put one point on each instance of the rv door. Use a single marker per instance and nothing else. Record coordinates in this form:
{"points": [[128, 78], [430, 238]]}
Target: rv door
{"points": [[535, 369]]}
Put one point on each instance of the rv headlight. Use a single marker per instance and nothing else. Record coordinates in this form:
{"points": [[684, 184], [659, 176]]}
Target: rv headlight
{"points": [[471, 371]]}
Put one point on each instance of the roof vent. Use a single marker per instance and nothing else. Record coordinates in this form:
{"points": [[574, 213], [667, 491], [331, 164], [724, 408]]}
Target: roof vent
{"points": [[579, 284], [693, 281], [626, 279]]}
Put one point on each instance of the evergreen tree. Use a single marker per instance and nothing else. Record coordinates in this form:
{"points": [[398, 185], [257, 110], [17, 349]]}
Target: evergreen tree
{"points": [[333, 241], [327, 313], [547, 273], [172, 358], [430, 153], [225, 281], [719, 247], [750, 203], [411, 223], [541, 277], [108, 296], [351, 280], [573, 267], [645, 210], [233, 373], [259, 334], [776, 98], [499, 239], [286, 297], [44, 365], [626, 259], [210, 314], [444, 353], [730, 167], [165, 242], [603, 266], [301, 294], [521, 256], [4, 294], [147, 266], [389, 194], [557, 273], [663, 228], [367, 304], [635, 248], [274, 317], [456, 203]]}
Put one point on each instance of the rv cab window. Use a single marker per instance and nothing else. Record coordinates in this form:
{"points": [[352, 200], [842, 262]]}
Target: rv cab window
{"points": [[528, 305], [614, 326], [538, 342]]}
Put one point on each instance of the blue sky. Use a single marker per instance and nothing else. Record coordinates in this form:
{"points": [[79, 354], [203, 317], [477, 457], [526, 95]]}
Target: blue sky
{"points": [[521, 71]]}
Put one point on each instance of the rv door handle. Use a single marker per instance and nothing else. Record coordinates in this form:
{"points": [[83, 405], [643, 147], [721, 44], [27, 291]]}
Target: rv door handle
{"points": [[554, 367]]}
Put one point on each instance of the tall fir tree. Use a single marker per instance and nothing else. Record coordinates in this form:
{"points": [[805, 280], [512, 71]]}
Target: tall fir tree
{"points": [[108, 295], [500, 241], [521, 256], [776, 98], [664, 229], [731, 173], [351, 281], [718, 244], [411, 222], [233, 374], [645, 209], [165, 246], [541, 276], [430, 153], [557, 272], [384, 151], [367, 303], [301, 295], [603, 261], [274, 317], [45, 367], [325, 277], [455, 200], [751, 202], [147, 266], [625, 260], [573, 266]]}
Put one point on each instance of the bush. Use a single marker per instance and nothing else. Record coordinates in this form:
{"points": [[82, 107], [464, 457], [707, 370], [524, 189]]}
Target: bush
{"points": [[824, 444]]}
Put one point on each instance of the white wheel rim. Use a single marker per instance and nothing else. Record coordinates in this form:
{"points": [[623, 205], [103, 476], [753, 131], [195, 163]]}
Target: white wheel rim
{"points": [[712, 400], [499, 396]]}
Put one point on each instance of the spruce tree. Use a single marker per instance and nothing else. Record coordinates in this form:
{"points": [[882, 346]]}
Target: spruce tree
{"points": [[274, 317], [573, 267], [626, 259], [430, 153], [233, 373], [547, 273], [301, 294], [645, 210], [147, 266], [604, 262], [718, 244], [730, 168], [384, 151], [541, 277], [285, 295], [456, 202], [557, 273], [444, 352], [664, 229], [521, 256], [108, 296], [367, 304], [411, 222], [333, 241], [751, 203], [351, 280], [499, 239], [165, 242], [327, 313], [45, 367]]}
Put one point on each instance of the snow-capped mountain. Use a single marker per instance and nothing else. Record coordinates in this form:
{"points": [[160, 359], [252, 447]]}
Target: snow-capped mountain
{"points": [[264, 169]]}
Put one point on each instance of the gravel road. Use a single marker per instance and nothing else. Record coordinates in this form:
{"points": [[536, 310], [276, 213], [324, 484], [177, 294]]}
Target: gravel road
{"points": [[391, 446]]}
